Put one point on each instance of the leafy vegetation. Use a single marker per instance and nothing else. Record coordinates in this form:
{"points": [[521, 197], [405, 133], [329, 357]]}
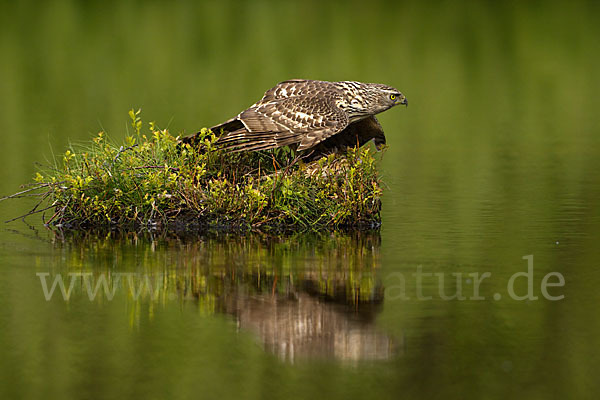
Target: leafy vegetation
{"points": [[154, 180]]}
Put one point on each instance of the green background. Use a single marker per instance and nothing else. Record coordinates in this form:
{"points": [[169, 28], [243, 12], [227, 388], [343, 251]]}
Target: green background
{"points": [[497, 157]]}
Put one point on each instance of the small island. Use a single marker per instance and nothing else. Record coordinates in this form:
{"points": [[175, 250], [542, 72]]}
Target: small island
{"points": [[154, 180]]}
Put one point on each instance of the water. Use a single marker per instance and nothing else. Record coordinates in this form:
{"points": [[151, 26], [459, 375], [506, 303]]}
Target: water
{"points": [[497, 158]]}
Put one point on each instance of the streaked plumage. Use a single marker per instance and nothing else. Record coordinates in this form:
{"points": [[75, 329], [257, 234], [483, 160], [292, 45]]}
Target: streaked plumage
{"points": [[310, 114]]}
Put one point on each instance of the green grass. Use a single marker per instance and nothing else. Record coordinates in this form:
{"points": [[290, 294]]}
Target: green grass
{"points": [[151, 179]]}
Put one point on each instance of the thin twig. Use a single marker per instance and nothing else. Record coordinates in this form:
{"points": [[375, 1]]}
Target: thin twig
{"points": [[294, 161], [172, 169], [60, 212], [19, 194], [122, 150], [34, 211]]}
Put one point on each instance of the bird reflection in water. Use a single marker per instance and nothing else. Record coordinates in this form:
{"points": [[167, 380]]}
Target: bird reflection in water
{"points": [[300, 324], [303, 295]]}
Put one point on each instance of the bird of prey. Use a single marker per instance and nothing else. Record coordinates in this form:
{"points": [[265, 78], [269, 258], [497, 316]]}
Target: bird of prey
{"points": [[310, 114]]}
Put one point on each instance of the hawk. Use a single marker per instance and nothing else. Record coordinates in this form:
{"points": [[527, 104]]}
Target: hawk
{"points": [[309, 114]]}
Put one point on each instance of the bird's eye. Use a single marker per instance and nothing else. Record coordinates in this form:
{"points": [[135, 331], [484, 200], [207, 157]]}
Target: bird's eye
{"points": [[392, 97]]}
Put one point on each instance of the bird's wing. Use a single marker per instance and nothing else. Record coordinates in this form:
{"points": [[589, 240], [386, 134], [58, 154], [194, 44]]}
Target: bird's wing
{"points": [[302, 120], [295, 88]]}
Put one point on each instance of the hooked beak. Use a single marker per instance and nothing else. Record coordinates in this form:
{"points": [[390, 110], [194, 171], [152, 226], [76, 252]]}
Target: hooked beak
{"points": [[402, 100]]}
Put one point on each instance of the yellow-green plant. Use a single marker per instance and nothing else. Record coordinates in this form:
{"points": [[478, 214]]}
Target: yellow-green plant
{"points": [[152, 178]]}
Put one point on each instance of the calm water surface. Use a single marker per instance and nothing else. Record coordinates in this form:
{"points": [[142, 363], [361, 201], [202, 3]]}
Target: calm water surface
{"points": [[496, 159]]}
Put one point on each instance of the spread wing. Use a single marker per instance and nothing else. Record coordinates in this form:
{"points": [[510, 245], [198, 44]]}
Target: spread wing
{"points": [[296, 87], [285, 89], [302, 120]]}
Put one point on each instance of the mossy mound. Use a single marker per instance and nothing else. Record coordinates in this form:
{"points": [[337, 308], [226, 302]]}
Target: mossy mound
{"points": [[153, 180]]}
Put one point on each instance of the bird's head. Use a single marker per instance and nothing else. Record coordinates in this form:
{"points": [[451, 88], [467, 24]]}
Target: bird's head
{"points": [[386, 97], [365, 99]]}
